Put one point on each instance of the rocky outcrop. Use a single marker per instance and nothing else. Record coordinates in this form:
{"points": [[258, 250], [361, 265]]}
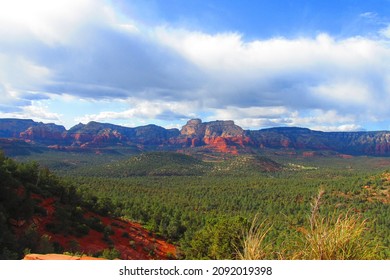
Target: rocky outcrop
{"points": [[193, 128], [44, 133], [31, 131], [196, 129], [97, 134], [218, 136]]}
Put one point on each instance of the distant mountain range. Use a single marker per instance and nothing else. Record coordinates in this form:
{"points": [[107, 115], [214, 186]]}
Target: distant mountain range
{"points": [[214, 136]]}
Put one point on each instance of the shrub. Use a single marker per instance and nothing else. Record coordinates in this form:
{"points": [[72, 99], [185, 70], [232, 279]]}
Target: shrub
{"points": [[132, 244], [111, 254], [81, 230], [95, 224]]}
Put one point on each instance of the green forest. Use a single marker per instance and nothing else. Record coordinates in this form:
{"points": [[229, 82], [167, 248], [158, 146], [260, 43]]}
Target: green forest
{"points": [[210, 209]]}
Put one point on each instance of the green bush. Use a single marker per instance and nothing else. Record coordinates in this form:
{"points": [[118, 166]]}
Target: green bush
{"points": [[111, 254]]}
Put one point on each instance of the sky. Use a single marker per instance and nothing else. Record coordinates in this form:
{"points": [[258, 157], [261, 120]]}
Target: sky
{"points": [[324, 65]]}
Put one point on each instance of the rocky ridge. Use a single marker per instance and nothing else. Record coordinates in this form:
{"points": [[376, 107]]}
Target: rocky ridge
{"points": [[214, 136]]}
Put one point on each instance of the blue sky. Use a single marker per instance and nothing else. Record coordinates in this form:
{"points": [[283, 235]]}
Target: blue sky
{"points": [[319, 64]]}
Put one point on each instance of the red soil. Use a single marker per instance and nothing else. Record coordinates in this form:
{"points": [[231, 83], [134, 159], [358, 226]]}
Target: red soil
{"points": [[58, 257]]}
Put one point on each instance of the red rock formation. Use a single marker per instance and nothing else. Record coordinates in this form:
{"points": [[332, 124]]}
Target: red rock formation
{"points": [[193, 128], [81, 137], [43, 133], [220, 144], [308, 154], [195, 142], [193, 135]]}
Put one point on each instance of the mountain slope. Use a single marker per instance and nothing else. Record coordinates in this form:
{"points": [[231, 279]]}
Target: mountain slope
{"points": [[41, 214], [355, 143]]}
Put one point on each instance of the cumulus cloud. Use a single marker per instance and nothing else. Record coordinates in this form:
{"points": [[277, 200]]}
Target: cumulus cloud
{"points": [[50, 22], [303, 72], [35, 111], [144, 109], [82, 48], [260, 117], [85, 49]]}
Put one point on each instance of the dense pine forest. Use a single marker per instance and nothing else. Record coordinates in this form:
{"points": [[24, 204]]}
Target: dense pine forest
{"points": [[207, 208]]}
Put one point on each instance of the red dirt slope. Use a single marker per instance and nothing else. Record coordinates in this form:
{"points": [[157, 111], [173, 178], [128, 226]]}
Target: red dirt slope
{"points": [[132, 240], [33, 257]]}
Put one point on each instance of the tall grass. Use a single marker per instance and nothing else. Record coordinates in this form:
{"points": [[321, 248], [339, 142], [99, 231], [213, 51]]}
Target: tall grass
{"points": [[335, 237], [254, 245]]}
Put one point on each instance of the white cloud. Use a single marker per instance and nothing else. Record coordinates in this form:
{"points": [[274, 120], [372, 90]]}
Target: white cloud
{"points": [[143, 109], [51, 22], [35, 111], [369, 15], [229, 54], [321, 116], [344, 92], [386, 32], [340, 128], [232, 112], [256, 118], [41, 112], [20, 73]]}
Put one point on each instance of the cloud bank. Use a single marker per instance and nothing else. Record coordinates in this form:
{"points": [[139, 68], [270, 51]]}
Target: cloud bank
{"points": [[89, 50]]}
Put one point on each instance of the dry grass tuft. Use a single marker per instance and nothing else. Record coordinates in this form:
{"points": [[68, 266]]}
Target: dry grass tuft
{"points": [[338, 237], [254, 245], [339, 240], [334, 237]]}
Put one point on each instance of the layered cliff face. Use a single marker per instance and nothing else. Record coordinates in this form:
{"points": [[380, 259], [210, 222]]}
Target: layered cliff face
{"points": [[45, 133], [215, 136]]}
